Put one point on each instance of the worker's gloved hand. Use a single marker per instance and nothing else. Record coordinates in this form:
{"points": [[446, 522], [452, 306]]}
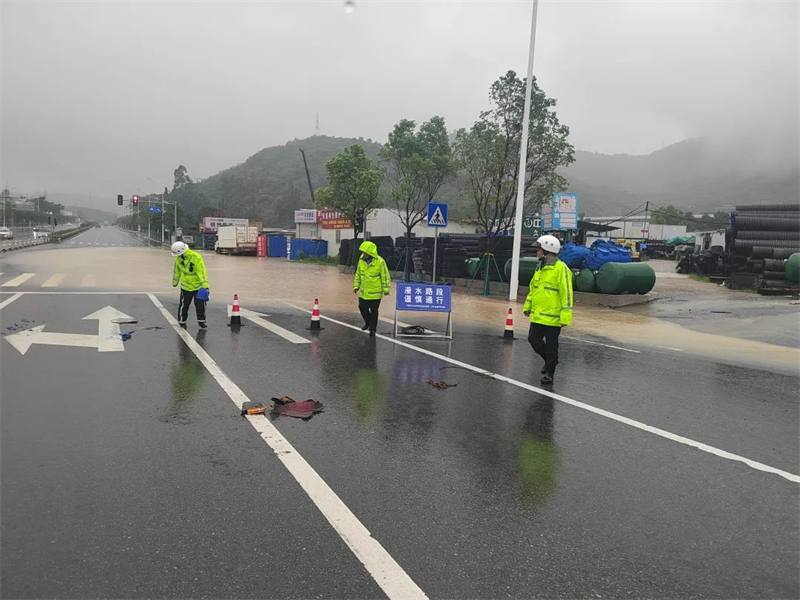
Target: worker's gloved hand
{"points": [[174, 285], [355, 291], [527, 313], [385, 293]]}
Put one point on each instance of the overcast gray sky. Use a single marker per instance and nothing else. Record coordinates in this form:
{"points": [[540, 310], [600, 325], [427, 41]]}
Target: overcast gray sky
{"points": [[109, 97]]}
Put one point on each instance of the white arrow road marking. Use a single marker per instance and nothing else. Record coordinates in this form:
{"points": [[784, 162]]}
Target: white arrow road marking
{"points": [[108, 331], [107, 340], [23, 340], [256, 318], [19, 280]]}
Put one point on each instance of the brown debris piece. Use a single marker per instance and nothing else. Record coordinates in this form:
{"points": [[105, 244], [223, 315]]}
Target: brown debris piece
{"points": [[289, 407], [441, 385]]}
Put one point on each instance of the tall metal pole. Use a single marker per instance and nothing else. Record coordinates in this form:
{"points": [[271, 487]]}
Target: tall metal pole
{"points": [[435, 244], [523, 163], [162, 218]]}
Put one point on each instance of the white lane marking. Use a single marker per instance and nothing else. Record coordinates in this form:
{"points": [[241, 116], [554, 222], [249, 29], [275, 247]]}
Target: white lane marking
{"points": [[284, 333], [391, 322], [18, 280], [569, 337], [55, 280], [86, 293], [89, 281], [8, 301], [669, 348], [389, 575], [593, 409]]}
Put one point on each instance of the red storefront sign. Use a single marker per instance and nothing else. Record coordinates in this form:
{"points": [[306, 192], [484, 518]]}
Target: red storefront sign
{"points": [[333, 219]]}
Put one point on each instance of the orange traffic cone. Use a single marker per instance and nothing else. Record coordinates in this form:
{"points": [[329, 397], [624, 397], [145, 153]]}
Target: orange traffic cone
{"points": [[508, 334], [316, 324], [236, 317]]}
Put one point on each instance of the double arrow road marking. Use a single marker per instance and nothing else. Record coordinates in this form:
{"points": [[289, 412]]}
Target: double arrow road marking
{"points": [[108, 337]]}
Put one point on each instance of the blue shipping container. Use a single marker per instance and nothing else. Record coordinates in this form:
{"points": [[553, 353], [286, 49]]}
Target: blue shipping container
{"points": [[309, 247], [276, 246]]}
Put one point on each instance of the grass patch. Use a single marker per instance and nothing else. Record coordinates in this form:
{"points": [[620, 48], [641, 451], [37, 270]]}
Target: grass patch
{"points": [[331, 261], [700, 278]]}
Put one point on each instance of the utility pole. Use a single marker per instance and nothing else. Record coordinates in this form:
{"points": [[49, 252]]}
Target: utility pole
{"points": [[646, 224], [523, 165], [316, 129], [162, 218], [308, 175]]}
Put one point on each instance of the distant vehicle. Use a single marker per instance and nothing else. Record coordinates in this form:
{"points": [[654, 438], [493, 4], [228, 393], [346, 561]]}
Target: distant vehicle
{"points": [[40, 233], [233, 239], [6, 233], [188, 240], [98, 225]]}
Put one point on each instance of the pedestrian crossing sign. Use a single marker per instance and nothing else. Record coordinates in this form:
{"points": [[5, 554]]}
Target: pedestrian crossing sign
{"points": [[437, 214]]}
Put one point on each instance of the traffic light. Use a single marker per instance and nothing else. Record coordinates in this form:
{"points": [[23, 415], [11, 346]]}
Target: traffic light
{"points": [[49, 220], [360, 219], [119, 199], [55, 222], [136, 200]]}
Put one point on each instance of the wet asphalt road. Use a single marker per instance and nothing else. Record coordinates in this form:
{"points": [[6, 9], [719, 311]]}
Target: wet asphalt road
{"points": [[131, 474]]}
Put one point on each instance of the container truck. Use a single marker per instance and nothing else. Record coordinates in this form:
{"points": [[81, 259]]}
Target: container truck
{"points": [[235, 239]]}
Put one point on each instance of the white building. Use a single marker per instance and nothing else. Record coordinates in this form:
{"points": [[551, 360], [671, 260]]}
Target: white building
{"points": [[636, 228], [333, 227]]}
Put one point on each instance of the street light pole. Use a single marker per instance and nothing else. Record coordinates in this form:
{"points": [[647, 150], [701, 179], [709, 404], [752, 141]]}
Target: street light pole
{"points": [[523, 163]]}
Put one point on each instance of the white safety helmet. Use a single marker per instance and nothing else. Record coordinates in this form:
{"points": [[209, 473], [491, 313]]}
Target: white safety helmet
{"points": [[179, 248], [549, 243]]}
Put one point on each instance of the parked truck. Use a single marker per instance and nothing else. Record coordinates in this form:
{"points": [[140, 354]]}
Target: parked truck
{"points": [[236, 239]]}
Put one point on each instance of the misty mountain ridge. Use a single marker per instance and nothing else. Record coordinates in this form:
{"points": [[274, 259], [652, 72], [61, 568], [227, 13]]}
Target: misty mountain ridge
{"points": [[695, 174]]}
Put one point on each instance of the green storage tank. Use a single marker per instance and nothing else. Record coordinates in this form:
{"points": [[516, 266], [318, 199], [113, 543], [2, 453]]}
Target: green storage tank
{"points": [[527, 265], [472, 266], [585, 281], [793, 268], [625, 278]]}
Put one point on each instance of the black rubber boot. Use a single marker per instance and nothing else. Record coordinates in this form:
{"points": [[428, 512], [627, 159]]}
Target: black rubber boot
{"points": [[202, 324], [547, 379], [544, 370], [365, 327]]}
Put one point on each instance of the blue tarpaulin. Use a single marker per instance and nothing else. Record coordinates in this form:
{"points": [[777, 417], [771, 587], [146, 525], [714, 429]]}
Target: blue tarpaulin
{"points": [[308, 247]]}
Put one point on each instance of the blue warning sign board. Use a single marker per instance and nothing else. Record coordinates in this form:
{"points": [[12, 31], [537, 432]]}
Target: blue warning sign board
{"points": [[422, 297]]}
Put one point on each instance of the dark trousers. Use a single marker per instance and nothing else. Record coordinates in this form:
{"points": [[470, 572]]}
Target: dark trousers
{"points": [[369, 310], [544, 339], [185, 302]]}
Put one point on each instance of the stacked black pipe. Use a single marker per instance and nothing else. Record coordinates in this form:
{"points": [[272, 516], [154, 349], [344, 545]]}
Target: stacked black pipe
{"points": [[761, 238]]}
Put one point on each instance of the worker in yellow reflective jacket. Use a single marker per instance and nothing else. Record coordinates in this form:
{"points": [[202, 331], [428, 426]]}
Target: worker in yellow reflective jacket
{"points": [[549, 303], [190, 272], [371, 282]]}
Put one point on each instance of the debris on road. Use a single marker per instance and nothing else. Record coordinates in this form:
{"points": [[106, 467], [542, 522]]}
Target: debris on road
{"points": [[126, 335], [441, 385], [253, 408], [288, 407], [124, 321]]}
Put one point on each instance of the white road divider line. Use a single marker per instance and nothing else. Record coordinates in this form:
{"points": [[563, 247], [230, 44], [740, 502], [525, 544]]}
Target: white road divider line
{"points": [[389, 575], [569, 337], [669, 348], [55, 280], [8, 301], [258, 319], [588, 407], [19, 280]]}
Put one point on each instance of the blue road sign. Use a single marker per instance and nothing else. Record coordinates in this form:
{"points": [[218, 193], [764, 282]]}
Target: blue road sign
{"points": [[154, 209], [437, 214], [422, 297]]}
